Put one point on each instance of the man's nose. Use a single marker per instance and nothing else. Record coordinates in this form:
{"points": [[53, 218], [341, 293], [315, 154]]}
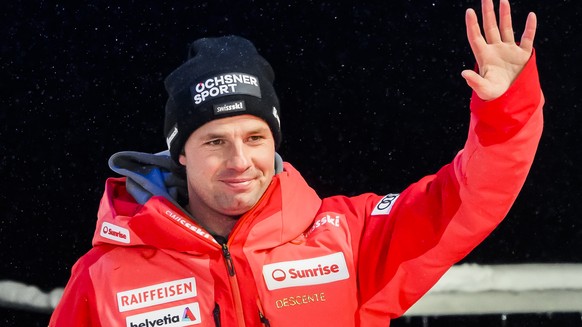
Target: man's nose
{"points": [[239, 157]]}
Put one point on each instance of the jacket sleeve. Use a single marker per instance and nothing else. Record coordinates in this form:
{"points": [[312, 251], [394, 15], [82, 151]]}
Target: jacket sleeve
{"points": [[437, 221], [76, 307]]}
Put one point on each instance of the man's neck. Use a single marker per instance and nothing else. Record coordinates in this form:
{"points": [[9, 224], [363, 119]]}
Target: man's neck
{"points": [[214, 224]]}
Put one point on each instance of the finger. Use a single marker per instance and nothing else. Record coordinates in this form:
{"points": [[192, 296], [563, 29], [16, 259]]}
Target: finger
{"points": [[474, 80], [505, 26], [490, 22], [476, 40], [529, 33]]}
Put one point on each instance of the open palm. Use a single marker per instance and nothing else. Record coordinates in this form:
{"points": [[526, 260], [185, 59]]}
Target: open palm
{"points": [[499, 57]]}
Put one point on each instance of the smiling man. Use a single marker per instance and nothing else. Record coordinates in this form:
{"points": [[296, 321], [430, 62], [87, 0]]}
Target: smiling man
{"points": [[219, 231]]}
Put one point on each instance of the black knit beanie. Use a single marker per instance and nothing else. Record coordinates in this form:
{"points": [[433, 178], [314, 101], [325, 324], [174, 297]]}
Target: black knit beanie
{"points": [[223, 77]]}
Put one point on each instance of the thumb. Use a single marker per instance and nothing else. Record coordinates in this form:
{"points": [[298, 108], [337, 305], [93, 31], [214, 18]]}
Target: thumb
{"points": [[475, 81]]}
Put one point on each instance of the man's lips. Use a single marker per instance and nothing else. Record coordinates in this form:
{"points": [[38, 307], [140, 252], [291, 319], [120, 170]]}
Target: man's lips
{"points": [[237, 183]]}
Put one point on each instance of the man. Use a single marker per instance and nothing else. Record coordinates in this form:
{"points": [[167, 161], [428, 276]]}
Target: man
{"points": [[242, 240]]}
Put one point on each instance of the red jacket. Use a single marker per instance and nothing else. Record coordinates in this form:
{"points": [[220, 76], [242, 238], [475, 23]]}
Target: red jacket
{"points": [[298, 260]]}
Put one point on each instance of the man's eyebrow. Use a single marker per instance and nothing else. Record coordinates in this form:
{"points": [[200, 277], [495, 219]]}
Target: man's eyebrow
{"points": [[213, 135], [260, 129], [218, 135]]}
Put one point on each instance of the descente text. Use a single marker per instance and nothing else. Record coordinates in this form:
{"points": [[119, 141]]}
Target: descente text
{"points": [[300, 300]]}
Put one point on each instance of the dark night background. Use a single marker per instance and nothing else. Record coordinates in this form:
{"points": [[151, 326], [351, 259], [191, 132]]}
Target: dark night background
{"points": [[371, 95]]}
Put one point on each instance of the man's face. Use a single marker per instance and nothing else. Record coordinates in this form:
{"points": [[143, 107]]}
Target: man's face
{"points": [[229, 164]]}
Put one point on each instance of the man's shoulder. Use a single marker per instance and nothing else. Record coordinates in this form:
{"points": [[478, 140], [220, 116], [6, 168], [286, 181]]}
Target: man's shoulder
{"points": [[94, 255]]}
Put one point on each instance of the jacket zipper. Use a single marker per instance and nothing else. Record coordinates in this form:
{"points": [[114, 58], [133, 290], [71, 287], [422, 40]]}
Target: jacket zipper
{"points": [[238, 307], [228, 259], [216, 314], [264, 319]]}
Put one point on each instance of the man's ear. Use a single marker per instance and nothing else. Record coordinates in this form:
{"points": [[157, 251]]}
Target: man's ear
{"points": [[182, 159]]}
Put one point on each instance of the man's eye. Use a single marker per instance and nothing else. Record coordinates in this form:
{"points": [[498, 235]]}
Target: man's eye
{"points": [[255, 138], [215, 142]]}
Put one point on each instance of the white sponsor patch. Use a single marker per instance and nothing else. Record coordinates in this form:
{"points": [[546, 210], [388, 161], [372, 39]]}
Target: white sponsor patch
{"points": [[385, 205], [114, 232], [172, 135], [320, 270], [276, 115], [225, 84], [156, 294], [183, 315], [225, 108]]}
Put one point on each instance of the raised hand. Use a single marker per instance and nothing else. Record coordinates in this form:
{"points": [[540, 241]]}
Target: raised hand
{"points": [[499, 57]]}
